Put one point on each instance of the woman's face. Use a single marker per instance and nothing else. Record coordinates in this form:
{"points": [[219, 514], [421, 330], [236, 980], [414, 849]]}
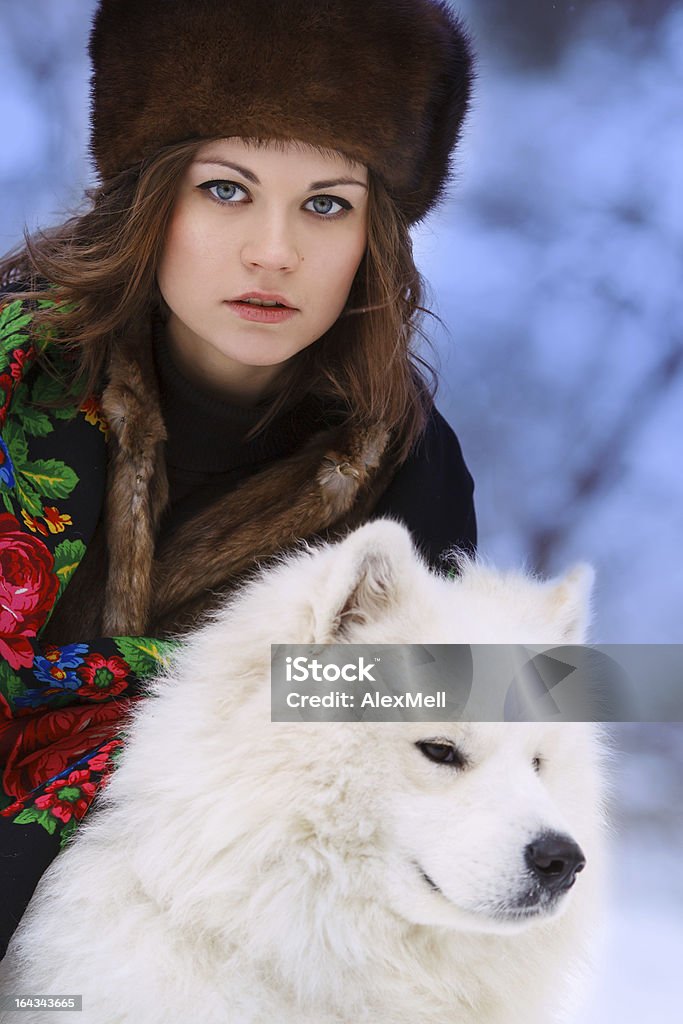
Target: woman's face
{"points": [[286, 221]]}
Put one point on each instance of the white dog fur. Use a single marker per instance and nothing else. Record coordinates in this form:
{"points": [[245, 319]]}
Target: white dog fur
{"points": [[239, 871]]}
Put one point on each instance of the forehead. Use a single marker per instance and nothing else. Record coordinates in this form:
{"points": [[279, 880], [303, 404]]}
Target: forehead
{"points": [[279, 156]]}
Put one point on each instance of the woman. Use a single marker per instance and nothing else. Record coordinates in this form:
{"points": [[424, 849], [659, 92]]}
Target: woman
{"points": [[165, 432]]}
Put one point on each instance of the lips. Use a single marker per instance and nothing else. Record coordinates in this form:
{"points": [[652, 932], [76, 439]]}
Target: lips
{"points": [[262, 314], [265, 297]]}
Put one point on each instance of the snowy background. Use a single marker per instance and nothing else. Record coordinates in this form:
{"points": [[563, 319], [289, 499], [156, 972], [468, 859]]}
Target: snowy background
{"points": [[555, 266]]}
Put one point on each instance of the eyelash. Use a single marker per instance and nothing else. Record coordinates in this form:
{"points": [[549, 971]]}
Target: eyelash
{"points": [[207, 186]]}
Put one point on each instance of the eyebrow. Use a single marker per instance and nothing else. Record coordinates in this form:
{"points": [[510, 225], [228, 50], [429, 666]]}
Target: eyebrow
{"points": [[250, 176]]}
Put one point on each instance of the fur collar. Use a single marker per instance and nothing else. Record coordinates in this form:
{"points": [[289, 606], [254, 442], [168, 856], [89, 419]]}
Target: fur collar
{"points": [[327, 487]]}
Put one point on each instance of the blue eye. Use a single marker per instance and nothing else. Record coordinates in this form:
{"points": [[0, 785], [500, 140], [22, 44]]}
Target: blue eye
{"points": [[223, 191], [229, 193], [323, 206]]}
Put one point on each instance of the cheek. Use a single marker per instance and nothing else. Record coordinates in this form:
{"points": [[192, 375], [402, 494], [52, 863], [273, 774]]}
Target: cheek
{"points": [[188, 250], [336, 252], [357, 246], [342, 266]]}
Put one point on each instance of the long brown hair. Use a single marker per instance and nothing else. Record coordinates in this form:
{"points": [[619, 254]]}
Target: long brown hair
{"points": [[101, 266]]}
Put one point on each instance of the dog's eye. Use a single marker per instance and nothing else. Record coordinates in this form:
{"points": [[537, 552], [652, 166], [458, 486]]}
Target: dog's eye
{"points": [[536, 764], [441, 753]]}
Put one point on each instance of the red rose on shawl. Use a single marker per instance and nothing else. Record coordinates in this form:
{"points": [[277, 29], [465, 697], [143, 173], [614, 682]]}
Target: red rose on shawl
{"points": [[70, 797], [28, 588], [39, 746]]}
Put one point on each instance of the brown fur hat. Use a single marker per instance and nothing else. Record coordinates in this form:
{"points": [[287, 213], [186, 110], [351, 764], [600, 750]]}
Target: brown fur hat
{"points": [[386, 82]]}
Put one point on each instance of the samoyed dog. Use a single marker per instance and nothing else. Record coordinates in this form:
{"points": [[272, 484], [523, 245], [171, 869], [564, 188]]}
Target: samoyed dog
{"points": [[238, 871]]}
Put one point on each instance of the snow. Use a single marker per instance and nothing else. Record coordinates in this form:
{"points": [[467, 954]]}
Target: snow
{"points": [[638, 972], [556, 267]]}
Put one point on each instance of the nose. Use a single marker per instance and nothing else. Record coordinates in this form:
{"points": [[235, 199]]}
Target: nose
{"points": [[554, 860], [271, 246]]}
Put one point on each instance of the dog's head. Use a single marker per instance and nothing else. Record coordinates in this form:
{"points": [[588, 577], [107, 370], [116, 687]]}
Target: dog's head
{"points": [[484, 818], [474, 826]]}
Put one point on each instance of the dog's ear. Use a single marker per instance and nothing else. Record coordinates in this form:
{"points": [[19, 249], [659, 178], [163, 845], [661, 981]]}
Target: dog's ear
{"points": [[570, 603], [366, 574]]}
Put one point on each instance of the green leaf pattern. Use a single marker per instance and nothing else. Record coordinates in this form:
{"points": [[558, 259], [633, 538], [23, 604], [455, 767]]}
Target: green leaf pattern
{"points": [[43, 481], [12, 319], [145, 655], [68, 555]]}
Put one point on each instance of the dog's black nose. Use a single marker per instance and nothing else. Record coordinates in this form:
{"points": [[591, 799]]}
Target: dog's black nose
{"points": [[554, 860]]}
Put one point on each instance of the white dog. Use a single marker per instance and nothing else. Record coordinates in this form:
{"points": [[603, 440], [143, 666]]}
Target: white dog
{"points": [[239, 871]]}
